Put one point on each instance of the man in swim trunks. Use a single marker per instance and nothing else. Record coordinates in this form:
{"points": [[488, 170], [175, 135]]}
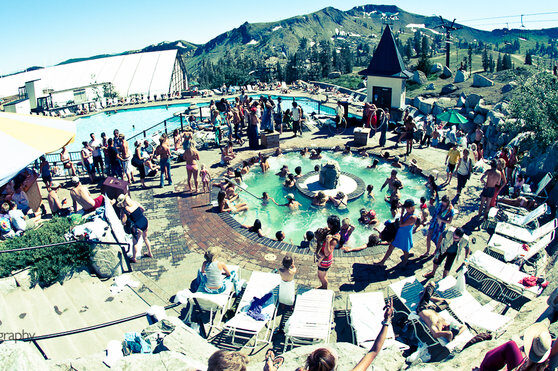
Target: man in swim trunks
{"points": [[163, 152], [390, 182], [126, 158], [427, 310], [490, 179], [80, 195], [520, 201]]}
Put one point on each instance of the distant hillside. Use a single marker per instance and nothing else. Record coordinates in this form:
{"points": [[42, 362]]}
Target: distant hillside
{"points": [[355, 27]]}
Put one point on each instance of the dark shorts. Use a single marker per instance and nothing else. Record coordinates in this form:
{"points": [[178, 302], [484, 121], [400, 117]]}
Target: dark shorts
{"points": [[488, 192], [450, 258], [451, 167], [323, 269], [47, 179]]}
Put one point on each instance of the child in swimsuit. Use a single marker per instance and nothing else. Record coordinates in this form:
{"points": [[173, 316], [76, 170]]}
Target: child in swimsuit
{"points": [[205, 178], [346, 230]]}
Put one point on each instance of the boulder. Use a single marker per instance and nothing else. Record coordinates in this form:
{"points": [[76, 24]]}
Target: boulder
{"points": [[480, 81], [540, 162], [494, 117], [467, 127], [348, 356], [23, 279], [442, 104], [7, 284], [446, 73], [419, 77], [107, 260], [502, 107], [334, 75], [472, 100], [422, 105], [159, 361], [430, 86], [461, 76], [16, 356], [479, 119], [187, 341], [448, 89], [509, 87], [460, 102], [436, 67], [329, 175], [482, 108]]}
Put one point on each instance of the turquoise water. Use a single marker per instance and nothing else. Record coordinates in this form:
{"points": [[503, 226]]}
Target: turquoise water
{"points": [[295, 224], [134, 120]]}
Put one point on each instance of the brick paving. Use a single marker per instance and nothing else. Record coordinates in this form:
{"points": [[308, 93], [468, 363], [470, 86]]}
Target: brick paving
{"points": [[183, 223]]}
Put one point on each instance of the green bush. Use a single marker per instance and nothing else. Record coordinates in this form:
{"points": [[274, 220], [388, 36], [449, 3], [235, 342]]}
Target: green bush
{"points": [[50, 264]]}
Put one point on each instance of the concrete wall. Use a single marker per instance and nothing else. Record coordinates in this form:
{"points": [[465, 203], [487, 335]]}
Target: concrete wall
{"points": [[397, 89], [31, 94], [20, 107]]}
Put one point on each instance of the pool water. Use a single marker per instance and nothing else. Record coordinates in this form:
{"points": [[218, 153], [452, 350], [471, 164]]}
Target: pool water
{"points": [[309, 217], [134, 120]]}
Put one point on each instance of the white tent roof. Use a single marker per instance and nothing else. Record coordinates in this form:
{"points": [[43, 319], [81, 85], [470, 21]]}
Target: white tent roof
{"points": [[142, 73]]}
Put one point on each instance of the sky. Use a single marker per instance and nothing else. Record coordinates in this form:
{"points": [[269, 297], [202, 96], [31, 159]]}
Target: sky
{"points": [[43, 33]]}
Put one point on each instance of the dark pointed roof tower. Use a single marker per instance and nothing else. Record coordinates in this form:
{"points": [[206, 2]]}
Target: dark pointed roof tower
{"points": [[387, 61]]}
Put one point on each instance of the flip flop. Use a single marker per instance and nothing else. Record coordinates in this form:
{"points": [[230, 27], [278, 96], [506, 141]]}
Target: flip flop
{"points": [[278, 361], [269, 354]]}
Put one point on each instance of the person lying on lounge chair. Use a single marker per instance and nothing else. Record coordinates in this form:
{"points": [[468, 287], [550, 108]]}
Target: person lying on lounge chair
{"points": [[428, 309]]}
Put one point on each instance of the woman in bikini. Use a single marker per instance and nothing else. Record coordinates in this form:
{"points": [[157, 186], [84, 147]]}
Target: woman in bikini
{"points": [[65, 158], [191, 156], [329, 239], [226, 206]]}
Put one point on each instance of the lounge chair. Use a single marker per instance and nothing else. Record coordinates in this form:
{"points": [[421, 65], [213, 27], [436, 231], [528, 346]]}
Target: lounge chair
{"points": [[499, 280], [312, 319], [524, 234], [469, 310], [409, 291], [519, 219], [511, 250], [540, 188], [215, 304], [364, 314], [244, 326]]}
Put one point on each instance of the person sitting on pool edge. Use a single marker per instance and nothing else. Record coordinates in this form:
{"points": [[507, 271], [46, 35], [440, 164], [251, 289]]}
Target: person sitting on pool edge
{"points": [[308, 241], [227, 206], [279, 236], [256, 228]]}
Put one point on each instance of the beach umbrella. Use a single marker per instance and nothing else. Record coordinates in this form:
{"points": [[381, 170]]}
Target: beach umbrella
{"points": [[24, 138], [452, 116]]}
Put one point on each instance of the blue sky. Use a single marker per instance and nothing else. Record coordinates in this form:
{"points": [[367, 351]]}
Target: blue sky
{"points": [[47, 32]]}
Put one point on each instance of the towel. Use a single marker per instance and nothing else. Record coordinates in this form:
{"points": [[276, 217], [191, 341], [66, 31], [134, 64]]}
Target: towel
{"points": [[157, 312], [256, 306]]}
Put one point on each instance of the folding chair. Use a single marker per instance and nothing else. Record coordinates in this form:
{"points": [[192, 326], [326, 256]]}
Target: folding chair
{"points": [[524, 234]]}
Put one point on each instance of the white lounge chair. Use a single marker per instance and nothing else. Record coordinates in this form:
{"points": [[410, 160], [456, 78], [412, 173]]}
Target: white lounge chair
{"points": [[365, 311], [540, 188], [245, 327], [312, 318], [502, 280], [524, 234], [521, 220], [409, 292], [511, 249], [469, 310]]}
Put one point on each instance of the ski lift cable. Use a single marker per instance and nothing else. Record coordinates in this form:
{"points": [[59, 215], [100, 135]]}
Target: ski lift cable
{"points": [[508, 16]]}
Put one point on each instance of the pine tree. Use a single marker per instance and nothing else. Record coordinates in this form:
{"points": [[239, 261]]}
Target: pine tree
{"points": [[409, 49], [424, 63], [499, 65], [485, 61], [528, 58], [470, 58], [491, 63], [506, 62]]}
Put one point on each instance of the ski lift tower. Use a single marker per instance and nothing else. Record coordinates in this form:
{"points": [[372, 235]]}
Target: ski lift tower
{"points": [[449, 28]]}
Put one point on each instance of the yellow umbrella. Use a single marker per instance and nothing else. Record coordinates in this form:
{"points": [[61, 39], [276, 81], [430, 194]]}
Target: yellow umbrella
{"points": [[24, 138]]}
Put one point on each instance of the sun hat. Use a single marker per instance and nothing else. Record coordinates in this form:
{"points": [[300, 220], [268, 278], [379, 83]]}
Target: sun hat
{"points": [[537, 342], [409, 203], [75, 180], [120, 200], [290, 196]]}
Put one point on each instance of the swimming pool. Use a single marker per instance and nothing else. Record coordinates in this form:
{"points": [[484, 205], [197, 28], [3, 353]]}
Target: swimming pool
{"points": [[295, 224], [132, 121]]}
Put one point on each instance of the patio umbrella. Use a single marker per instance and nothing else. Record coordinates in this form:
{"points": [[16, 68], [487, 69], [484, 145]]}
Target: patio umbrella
{"points": [[452, 116], [24, 138]]}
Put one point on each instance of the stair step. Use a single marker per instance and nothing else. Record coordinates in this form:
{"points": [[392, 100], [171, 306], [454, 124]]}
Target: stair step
{"points": [[6, 314], [151, 292], [33, 315]]}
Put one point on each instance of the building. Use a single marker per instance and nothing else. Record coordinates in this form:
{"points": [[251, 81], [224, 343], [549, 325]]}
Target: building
{"points": [[386, 74], [147, 74]]}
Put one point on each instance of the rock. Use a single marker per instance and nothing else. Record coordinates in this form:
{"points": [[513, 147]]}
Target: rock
{"points": [[430, 86], [494, 117], [160, 361], [460, 102], [23, 279], [329, 175], [187, 341], [7, 284], [442, 104], [348, 356], [482, 108], [503, 107], [334, 75], [107, 260], [19, 356], [461, 76], [419, 77], [472, 100], [446, 73], [467, 127], [480, 81], [436, 67], [448, 89], [479, 119], [422, 105], [541, 161], [509, 87]]}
